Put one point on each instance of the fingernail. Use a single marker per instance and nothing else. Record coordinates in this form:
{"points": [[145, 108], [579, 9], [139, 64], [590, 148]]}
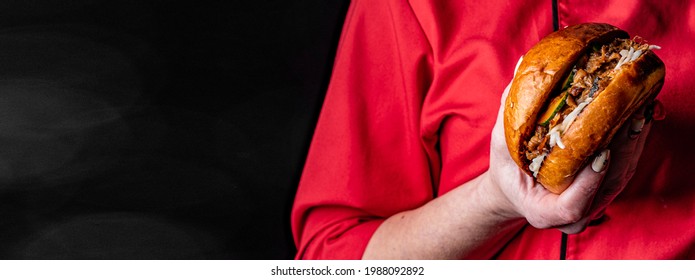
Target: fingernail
{"points": [[636, 125], [601, 161]]}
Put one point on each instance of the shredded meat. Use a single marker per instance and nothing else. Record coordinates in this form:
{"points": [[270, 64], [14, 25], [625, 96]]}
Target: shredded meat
{"points": [[534, 143], [576, 90], [579, 76], [536, 138], [571, 103], [596, 60]]}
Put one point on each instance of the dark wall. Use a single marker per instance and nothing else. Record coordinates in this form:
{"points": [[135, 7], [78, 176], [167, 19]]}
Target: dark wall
{"points": [[157, 129]]}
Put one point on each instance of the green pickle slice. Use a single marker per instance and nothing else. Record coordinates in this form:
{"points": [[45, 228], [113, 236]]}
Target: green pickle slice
{"points": [[556, 105], [553, 108]]}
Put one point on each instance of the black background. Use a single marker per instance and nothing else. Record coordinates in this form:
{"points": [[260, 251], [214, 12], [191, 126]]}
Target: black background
{"points": [[153, 129]]}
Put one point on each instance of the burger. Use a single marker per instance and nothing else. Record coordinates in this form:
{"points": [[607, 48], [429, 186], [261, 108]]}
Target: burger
{"points": [[571, 93]]}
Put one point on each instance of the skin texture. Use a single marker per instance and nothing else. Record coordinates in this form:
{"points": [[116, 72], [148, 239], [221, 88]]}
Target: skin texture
{"points": [[543, 69], [474, 220]]}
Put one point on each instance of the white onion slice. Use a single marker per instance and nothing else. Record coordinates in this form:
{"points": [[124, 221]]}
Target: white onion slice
{"points": [[573, 115], [559, 142], [556, 132], [636, 55], [624, 54], [536, 164], [555, 138]]}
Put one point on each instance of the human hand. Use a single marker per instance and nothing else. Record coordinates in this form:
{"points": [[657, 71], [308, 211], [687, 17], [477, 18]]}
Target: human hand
{"points": [[585, 199], [626, 149]]}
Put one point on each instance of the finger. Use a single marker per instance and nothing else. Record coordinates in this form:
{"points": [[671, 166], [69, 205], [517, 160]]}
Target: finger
{"points": [[628, 143], [619, 174], [626, 149], [640, 141], [575, 202], [570, 207], [599, 165], [627, 146], [577, 227], [626, 154]]}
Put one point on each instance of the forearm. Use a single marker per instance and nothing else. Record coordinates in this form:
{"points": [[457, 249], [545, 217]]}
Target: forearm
{"points": [[470, 221]]}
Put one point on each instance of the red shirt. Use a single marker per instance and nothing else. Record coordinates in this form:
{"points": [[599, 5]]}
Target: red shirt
{"points": [[415, 90]]}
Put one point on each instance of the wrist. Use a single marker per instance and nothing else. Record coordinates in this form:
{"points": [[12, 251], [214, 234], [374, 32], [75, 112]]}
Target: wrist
{"points": [[495, 200]]}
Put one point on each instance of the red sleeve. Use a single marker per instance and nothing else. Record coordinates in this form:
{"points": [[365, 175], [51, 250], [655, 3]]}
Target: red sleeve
{"points": [[408, 114], [367, 160]]}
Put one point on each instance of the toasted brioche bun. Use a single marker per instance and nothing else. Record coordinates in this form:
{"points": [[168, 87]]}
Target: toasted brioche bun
{"points": [[543, 68]]}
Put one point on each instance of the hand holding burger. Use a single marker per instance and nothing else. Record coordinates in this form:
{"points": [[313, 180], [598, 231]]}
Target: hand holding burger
{"points": [[574, 94], [571, 93]]}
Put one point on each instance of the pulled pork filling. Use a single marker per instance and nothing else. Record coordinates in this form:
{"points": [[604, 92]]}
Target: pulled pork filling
{"points": [[589, 76]]}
